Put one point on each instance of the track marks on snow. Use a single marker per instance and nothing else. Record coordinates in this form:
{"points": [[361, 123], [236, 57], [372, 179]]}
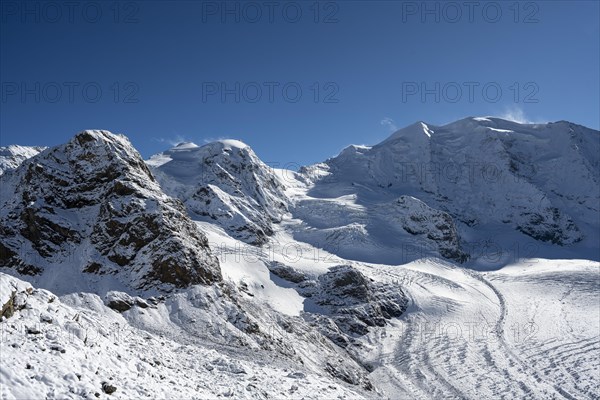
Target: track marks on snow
{"points": [[447, 363]]}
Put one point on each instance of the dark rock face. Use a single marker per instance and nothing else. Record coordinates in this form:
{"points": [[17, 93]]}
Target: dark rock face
{"points": [[108, 388], [347, 303], [122, 302], [94, 202], [285, 272], [10, 258], [435, 226], [349, 376], [551, 226]]}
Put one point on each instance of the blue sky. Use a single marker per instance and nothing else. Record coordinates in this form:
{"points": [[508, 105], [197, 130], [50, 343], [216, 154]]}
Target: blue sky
{"points": [[298, 81]]}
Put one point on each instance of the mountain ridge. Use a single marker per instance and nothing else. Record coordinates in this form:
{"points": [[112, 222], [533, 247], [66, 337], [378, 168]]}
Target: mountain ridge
{"points": [[483, 172], [468, 159]]}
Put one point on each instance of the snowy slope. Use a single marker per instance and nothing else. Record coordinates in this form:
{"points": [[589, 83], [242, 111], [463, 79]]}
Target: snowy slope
{"points": [[529, 330], [12, 156], [495, 179], [465, 335], [74, 347]]}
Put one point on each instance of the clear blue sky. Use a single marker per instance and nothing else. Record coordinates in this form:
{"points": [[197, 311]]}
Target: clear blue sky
{"points": [[167, 71]]}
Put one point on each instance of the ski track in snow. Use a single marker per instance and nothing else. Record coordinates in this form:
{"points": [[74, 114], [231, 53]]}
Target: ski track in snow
{"points": [[439, 366]]}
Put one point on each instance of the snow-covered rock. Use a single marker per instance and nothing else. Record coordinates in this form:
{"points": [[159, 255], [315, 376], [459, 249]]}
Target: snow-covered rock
{"points": [[121, 301], [93, 206], [352, 302], [226, 183], [13, 293], [343, 303], [75, 347], [13, 155], [434, 226]]}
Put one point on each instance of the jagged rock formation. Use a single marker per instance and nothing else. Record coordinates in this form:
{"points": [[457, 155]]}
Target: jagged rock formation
{"points": [[435, 227], [94, 204], [343, 303]]}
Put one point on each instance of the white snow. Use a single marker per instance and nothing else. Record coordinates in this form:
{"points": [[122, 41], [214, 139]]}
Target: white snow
{"points": [[68, 348], [185, 146], [12, 156], [527, 330], [229, 143], [245, 264]]}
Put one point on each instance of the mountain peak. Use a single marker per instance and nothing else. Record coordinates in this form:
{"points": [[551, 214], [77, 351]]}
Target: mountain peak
{"points": [[224, 181], [216, 147], [225, 146], [95, 196], [103, 142], [90, 135], [417, 131]]}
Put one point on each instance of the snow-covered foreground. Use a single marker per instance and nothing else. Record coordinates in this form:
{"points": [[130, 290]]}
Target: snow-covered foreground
{"points": [[530, 330], [74, 347]]}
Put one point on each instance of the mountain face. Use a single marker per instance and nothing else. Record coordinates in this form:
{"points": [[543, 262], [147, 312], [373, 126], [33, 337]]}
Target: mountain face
{"points": [[226, 183], [12, 156], [444, 185], [93, 205]]}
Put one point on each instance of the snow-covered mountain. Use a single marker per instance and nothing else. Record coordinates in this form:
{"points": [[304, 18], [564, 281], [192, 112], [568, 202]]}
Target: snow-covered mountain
{"points": [[455, 261], [451, 186], [91, 208], [226, 183]]}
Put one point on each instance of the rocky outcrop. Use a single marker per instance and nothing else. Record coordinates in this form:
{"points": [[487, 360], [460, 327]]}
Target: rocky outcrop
{"points": [[549, 225], [121, 302], [13, 295], [342, 303], [434, 226], [94, 203], [286, 272]]}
